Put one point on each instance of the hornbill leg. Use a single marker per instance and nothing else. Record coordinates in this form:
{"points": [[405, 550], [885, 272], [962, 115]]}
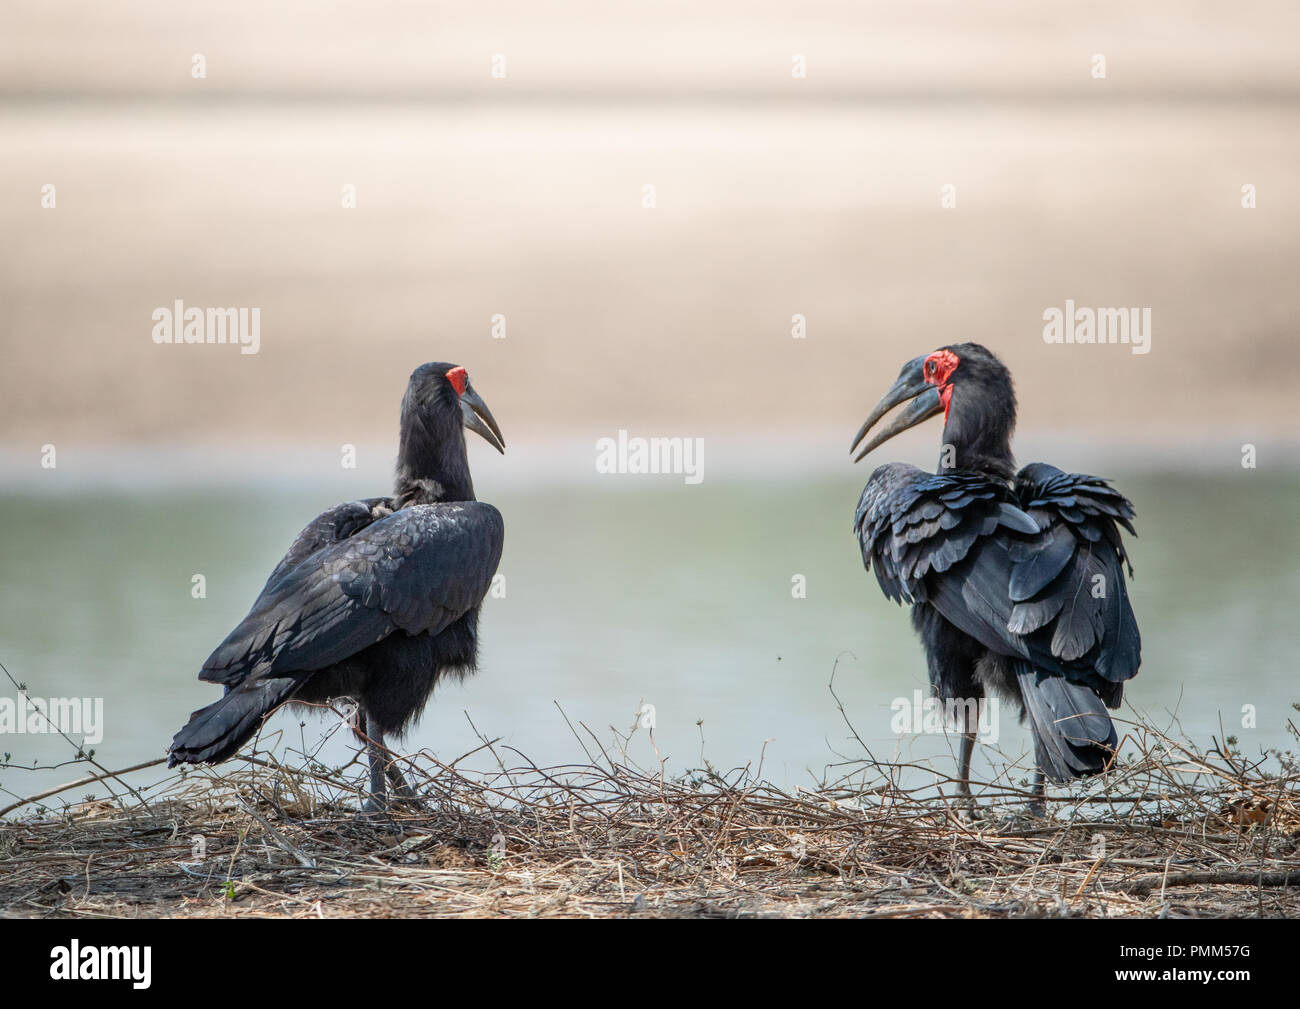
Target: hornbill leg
{"points": [[378, 800], [401, 788], [965, 801], [1038, 792], [963, 768], [381, 768]]}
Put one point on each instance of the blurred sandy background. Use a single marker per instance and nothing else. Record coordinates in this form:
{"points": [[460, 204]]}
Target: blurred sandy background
{"points": [[522, 196]]}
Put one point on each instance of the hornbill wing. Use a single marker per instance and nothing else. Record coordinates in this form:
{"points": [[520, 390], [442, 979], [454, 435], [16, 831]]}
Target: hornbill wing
{"points": [[915, 526], [1070, 579], [330, 527], [1018, 579], [416, 570]]}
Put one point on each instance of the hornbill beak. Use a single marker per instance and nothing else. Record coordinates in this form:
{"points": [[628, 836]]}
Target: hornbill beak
{"points": [[911, 384], [478, 418]]}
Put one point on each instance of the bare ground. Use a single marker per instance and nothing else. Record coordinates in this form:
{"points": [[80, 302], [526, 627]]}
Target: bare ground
{"points": [[1170, 831]]}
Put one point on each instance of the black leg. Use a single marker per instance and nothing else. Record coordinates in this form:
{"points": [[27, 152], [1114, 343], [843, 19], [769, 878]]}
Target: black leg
{"points": [[965, 801], [400, 787], [378, 800], [1038, 791], [381, 768]]}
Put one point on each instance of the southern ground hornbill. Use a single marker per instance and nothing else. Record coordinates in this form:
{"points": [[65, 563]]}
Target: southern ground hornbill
{"points": [[376, 599], [1016, 580]]}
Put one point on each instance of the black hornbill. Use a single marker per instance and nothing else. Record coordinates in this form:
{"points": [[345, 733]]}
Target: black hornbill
{"points": [[1016, 579], [376, 599]]}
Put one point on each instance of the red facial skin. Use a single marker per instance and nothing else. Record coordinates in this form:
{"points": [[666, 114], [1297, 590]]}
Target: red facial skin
{"points": [[459, 378], [938, 367]]}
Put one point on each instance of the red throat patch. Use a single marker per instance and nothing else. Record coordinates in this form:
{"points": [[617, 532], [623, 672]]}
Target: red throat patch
{"points": [[459, 378], [938, 368], [945, 397]]}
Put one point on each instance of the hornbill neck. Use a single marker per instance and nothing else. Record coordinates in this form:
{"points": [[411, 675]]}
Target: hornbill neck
{"points": [[974, 442], [431, 466]]}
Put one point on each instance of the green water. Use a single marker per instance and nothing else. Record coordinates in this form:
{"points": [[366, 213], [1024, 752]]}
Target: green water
{"points": [[619, 594]]}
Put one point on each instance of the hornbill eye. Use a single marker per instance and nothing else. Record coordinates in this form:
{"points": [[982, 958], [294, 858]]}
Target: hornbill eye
{"points": [[929, 367]]}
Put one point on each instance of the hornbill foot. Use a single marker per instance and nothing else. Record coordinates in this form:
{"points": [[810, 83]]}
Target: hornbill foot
{"points": [[382, 801], [401, 788], [376, 815], [377, 802], [964, 806], [402, 794], [384, 770], [377, 811]]}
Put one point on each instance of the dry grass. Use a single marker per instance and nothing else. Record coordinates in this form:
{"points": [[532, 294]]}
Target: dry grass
{"points": [[1171, 831]]}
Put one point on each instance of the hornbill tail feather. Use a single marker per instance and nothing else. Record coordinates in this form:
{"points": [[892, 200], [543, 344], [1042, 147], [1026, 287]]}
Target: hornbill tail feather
{"points": [[216, 732], [1073, 734]]}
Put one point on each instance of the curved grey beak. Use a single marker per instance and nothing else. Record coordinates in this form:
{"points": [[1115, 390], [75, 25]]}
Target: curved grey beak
{"points": [[478, 418], [911, 384]]}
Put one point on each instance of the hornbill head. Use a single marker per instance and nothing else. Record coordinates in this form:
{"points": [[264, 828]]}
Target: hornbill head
{"points": [[963, 381], [440, 401]]}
